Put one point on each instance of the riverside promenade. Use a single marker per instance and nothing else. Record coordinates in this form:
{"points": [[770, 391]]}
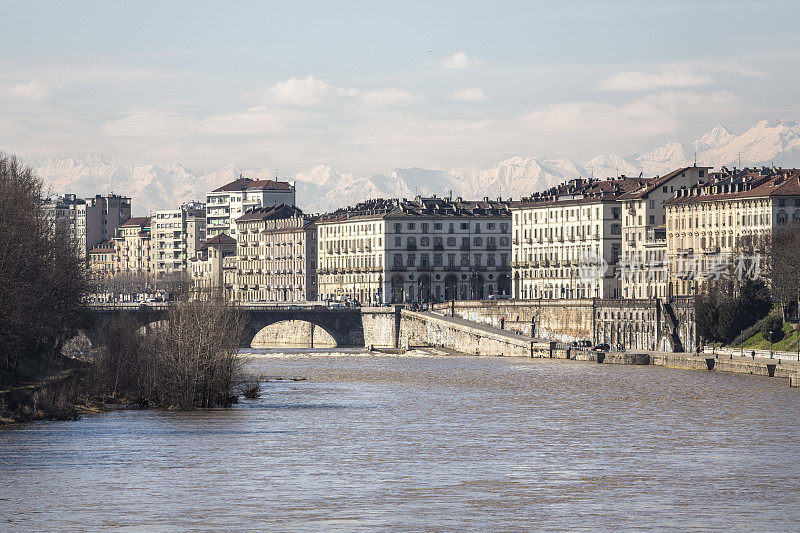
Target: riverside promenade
{"points": [[521, 345]]}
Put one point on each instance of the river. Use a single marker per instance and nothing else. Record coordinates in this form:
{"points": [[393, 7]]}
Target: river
{"points": [[425, 443]]}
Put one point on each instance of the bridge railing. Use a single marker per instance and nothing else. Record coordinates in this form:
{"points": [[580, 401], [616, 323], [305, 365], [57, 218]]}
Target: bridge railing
{"points": [[245, 306]]}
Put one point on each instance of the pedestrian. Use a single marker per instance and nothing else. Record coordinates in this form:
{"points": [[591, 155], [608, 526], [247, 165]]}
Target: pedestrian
{"points": [[502, 322], [754, 355]]}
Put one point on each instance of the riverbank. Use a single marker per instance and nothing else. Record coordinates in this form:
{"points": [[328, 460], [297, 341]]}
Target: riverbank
{"points": [[772, 368], [59, 396]]}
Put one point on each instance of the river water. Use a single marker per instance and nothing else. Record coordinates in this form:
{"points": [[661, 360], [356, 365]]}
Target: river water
{"points": [[425, 443]]}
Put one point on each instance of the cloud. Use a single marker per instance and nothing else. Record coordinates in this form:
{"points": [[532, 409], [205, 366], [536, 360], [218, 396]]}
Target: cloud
{"points": [[254, 121], [388, 97], [461, 60], [32, 91], [150, 125], [473, 94], [310, 91], [654, 114], [300, 92], [640, 81]]}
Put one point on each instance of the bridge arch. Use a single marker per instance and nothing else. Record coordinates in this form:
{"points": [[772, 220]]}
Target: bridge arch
{"points": [[293, 333]]}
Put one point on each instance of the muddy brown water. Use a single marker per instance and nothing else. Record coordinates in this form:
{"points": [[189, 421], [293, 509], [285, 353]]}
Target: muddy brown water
{"points": [[425, 443]]}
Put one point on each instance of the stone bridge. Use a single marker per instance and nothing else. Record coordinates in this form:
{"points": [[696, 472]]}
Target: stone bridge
{"points": [[296, 325]]}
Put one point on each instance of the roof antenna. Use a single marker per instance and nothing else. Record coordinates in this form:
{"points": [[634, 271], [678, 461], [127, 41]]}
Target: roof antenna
{"points": [[695, 158]]}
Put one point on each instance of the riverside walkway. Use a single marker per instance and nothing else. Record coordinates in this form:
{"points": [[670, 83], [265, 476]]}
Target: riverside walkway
{"points": [[777, 367]]}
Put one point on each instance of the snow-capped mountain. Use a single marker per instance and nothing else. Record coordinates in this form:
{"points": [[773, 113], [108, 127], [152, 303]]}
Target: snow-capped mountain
{"points": [[323, 188]]}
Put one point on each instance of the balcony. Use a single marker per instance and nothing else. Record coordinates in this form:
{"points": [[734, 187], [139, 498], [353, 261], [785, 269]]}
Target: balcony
{"points": [[438, 246], [397, 268], [411, 246], [465, 246]]}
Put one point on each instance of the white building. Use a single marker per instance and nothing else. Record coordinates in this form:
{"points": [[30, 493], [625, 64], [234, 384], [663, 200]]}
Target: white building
{"points": [[423, 250], [559, 234], [229, 202], [177, 236], [644, 245]]}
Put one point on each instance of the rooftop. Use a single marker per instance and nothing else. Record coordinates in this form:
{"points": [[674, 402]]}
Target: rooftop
{"points": [[431, 207], [247, 184]]}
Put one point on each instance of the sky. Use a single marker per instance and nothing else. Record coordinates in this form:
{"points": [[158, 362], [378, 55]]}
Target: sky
{"points": [[370, 86]]}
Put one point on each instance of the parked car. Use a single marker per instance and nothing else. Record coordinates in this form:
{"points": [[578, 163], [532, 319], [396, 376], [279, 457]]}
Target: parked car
{"points": [[498, 296], [602, 347]]}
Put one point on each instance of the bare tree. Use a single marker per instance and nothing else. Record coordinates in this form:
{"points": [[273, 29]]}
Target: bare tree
{"points": [[785, 267], [42, 278]]}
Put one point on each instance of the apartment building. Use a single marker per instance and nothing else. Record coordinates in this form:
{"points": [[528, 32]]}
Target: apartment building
{"points": [[276, 255], [97, 219], [206, 267], [562, 234], [178, 235], [711, 222], [643, 264], [101, 259], [61, 211], [231, 201], [134, 252], [422, 250]]}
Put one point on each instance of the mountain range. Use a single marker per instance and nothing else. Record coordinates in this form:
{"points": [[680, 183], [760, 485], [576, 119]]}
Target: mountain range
{"points": [[324, 188]]}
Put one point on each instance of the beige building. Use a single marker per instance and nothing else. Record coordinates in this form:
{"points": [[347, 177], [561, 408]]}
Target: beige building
{"points": [[276, 255], [562, 234], [134, 250], [643, 269], [708, 224], [101, 260], [177, 236], [206, 268], [423, 250], [229, 202]]}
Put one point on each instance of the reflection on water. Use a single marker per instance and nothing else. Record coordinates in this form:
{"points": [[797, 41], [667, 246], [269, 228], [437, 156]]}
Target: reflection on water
{"points": [[445, 443]]}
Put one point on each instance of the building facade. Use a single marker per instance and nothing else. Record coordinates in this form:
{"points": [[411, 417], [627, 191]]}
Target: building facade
{"points": [[276, 255], [643, 264], [101, 259], [97, 219], [178, 235], [568, 239], [710, 223], [206, 267], [423, 250], [231, 201], [134, 252]]}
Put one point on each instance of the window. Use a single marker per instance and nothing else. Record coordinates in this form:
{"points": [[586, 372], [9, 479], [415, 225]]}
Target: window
{"points": [[398, 228], [477, 241], [490, 225], [411, 226], [398, 241], [424, 227], [490, 260], [412, 260], [503, 241], [664, 189], [464, 260], [451, 241], [465, 225], [424, 241], [504, 228], [437, 260], [437, 225]]}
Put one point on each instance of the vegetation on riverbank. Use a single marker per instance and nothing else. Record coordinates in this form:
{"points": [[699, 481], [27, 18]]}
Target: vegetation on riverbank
{"points": [[189, 360]]}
